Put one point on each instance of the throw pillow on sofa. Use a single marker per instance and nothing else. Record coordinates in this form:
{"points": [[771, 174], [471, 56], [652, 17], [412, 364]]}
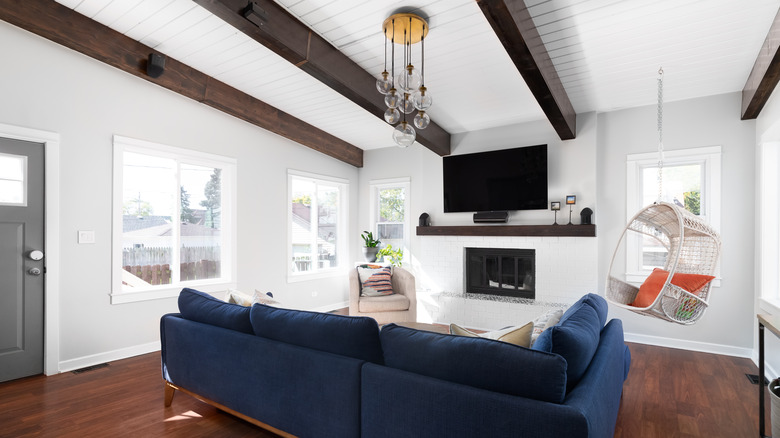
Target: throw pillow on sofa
{"points": [[202, 307], [352, 336], [543, 322], [233, 296], [514, 335], [575, 338], [375, 282]]}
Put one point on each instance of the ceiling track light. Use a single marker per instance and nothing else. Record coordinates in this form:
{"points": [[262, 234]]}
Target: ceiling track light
{"points": [[405, 92]]}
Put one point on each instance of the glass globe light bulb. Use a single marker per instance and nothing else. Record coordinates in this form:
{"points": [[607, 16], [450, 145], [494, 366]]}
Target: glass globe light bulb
{"points": [[422, 99], [408, 79], [404, 135], [392, 116], [422, 120], [392, 99], [406, 104], [383, 84]]}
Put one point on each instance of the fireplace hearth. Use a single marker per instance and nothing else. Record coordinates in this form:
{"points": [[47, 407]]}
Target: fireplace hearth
{"points": [[501, 271]]}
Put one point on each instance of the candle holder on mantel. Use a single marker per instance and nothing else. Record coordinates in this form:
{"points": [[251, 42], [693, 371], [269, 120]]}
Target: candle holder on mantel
{"points": [[570, 200], [555, 206]]}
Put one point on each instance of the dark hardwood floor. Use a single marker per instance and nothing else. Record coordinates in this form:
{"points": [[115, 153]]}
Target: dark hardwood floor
{"points": [[669, 393]]}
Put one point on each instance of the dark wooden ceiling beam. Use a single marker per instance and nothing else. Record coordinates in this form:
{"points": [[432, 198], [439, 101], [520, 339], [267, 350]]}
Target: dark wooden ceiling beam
{"points": [[765, 74], [514, 27], [291, 39], [64, 26]]}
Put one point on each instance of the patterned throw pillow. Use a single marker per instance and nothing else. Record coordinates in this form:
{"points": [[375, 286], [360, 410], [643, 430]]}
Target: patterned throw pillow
{"points": [[264, 298], [375, 282], [545, 321]]}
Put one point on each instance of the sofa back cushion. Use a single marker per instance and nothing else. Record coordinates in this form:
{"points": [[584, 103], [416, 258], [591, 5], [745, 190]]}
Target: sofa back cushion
{"points": [[477, 362], [351, 336], [575, 338], [202, 307]]}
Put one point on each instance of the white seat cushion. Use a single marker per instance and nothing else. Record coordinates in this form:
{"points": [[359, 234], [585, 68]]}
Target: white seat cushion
{"points": [[387, 303]]}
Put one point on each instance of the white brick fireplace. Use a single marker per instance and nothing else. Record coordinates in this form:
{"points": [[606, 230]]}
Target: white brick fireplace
{"points": [[566, 269]]}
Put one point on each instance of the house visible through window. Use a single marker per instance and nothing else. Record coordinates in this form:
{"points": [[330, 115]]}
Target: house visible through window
{"points": [[317, 232], [172, 217], [690, 179], [390, 212]]}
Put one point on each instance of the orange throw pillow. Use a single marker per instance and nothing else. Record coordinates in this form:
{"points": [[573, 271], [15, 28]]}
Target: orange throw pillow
{"points": [[650, 289]]}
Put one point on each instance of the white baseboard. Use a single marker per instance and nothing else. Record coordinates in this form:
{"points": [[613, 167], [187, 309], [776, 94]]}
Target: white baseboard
{"points": [[704, 347], [330, 307], [108, 356]]}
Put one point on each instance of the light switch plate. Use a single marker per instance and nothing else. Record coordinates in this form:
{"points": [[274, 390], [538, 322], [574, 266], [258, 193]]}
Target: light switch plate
{"points": [[86, 236]]}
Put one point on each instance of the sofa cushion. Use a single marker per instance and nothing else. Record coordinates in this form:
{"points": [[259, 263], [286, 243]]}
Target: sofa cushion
{"points": [[477, 362], [597, 302], [202, 307], [387, 303], [575, 338], [351, 336]]}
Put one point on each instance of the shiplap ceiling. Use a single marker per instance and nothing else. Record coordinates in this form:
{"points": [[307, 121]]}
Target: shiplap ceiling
{"points": [[606, 52]]}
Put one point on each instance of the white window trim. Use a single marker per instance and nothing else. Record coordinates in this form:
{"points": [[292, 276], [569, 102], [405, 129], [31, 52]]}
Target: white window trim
{"points": [[341, 245], [229, 186], [378, 184], [709, 156]]}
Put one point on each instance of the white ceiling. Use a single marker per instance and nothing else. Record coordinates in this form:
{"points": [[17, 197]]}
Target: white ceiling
{"points": [[607, 53]]}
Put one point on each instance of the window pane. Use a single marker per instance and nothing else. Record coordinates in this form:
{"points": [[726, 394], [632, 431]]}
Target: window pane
{"points": [[391, 205], [681, 185], [12, 169], [11, 192], [302, 226], [201, 222], [327, 226], [149, 192]]}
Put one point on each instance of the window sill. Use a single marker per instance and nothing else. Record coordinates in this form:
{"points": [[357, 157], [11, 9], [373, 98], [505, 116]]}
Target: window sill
{"points": [[158, 294], [296, 278], [769, 305]]}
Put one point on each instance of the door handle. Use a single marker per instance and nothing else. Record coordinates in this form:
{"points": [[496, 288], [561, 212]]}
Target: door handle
{"points": [[34, 271]]}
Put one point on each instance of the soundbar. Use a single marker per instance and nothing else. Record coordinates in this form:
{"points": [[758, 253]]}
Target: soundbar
{"points": [[491, 217]]}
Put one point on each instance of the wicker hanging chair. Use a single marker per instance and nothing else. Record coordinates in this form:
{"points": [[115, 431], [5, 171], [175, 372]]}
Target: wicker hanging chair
{"points": [[693, 247]]}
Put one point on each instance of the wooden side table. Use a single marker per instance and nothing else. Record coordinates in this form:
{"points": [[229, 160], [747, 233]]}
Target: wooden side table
{"points": [[772, 322]]}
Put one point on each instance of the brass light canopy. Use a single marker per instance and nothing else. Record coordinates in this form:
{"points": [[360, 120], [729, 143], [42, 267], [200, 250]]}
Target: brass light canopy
{"points": [[412, 25], [405, 92]]}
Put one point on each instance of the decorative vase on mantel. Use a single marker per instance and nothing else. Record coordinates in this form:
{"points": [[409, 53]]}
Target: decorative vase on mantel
{"points": [[370, 253]]}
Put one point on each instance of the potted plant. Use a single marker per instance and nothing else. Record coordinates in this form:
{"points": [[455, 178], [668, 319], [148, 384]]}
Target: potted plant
{"points": [[370, 246], [392, 256]]}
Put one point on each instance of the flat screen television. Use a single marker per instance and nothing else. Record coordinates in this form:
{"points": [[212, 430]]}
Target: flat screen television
{"points": [[504, 180]]}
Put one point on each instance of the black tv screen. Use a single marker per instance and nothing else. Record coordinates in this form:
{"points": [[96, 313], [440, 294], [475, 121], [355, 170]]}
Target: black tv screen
{"points": [[509, 179]]}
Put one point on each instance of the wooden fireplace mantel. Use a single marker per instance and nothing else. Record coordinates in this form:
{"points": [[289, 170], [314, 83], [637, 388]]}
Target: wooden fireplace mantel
{"points": [[510, 230]]}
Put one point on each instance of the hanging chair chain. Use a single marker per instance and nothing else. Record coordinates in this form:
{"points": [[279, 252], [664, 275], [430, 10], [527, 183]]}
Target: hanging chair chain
{"points": [[660, 111]]}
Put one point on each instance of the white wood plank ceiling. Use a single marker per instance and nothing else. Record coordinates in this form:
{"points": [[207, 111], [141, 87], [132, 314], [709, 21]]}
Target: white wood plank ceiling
{"points": [[607, 53]]}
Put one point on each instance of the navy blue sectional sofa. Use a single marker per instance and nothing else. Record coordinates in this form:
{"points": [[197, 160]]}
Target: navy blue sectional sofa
{"points": [[310, 374]]}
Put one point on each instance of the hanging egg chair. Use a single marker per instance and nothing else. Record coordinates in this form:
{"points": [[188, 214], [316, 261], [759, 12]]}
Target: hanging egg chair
{"points": [[680, 292], [692, 247]]}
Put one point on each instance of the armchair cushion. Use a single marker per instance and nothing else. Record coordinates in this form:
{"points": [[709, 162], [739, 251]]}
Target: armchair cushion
{"points": [[386, 303]]}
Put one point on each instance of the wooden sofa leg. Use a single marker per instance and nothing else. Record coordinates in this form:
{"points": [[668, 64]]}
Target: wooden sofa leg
{"points": [[170, 390]]}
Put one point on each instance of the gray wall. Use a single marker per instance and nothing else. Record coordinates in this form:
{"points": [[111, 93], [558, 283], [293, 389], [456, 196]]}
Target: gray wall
{"points": [[55, 89], [727, 327]]}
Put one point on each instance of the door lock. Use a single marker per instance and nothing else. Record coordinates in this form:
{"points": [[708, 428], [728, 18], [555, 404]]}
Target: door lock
{"points": [[34, 271]]}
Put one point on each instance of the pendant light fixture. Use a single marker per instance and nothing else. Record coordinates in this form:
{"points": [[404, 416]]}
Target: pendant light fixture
{"points": [[405, 92]]}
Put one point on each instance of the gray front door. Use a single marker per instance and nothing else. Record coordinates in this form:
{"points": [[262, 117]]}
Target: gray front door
{"points": [[21, 243]]}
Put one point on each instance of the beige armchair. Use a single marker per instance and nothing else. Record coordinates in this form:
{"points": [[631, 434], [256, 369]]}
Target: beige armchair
{"points": [[399, 307]]}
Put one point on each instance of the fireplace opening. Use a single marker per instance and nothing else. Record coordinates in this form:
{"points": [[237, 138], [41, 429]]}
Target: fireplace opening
{"points": [[501, 271]]}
